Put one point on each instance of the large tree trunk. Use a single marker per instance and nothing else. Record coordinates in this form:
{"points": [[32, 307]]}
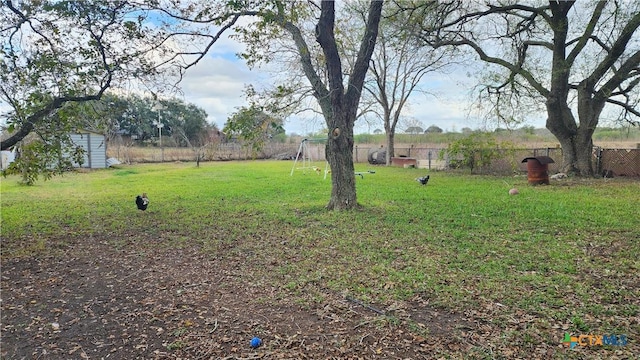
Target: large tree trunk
{"points": [[576, 153], [339, 152], [339, 106], [576, 141], [584, 152], [390, 147]]}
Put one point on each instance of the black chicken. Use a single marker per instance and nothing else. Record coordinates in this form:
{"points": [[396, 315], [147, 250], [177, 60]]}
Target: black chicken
{"points": [[142, 201], [423, 180]]}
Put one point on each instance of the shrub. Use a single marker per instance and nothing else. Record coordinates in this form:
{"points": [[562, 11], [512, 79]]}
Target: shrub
{"points": [[476, 150]]}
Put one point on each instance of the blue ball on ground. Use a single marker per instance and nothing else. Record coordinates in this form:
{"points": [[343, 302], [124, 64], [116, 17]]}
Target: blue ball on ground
{"points": [[255, 342]]}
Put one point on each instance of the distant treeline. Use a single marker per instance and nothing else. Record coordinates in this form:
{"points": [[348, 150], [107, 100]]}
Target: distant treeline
{"points": [[526, 134]]}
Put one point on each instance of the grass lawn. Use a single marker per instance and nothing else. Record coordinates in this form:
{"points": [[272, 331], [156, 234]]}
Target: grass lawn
{"points": [[514, 273]]}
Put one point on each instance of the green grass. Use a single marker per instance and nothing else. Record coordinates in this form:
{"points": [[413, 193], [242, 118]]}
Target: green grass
{"points": [[565, 254]]}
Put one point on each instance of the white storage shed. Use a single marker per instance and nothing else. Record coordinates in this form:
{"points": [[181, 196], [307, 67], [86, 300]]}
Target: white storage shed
{"points": [[95, 146]]}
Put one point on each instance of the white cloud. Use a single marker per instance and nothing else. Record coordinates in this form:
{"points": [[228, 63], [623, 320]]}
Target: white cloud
{"points": [[216, 85]]}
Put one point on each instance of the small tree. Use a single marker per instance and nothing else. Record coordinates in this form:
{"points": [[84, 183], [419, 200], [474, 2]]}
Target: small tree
{"points": [[414, 130], [433, 130], [44, 157], [253, 126], [399, 66]]}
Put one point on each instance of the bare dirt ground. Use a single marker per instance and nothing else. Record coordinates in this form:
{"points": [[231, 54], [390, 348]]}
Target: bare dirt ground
{"points": [[94, 300], [128, 296]]}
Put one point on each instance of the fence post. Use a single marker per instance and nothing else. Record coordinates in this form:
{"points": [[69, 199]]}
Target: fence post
{"points": [[598, 160]]}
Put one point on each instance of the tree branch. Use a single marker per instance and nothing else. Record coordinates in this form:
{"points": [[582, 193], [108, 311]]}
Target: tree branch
{"points": [[319, 88], [617, 50], [588, 32], [37, 117], [516, 69], [626, 106], [356, 80], [620, 76], [326, 38]]}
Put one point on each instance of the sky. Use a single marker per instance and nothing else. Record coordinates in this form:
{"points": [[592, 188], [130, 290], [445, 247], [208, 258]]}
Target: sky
{"points": [[216, 85]]}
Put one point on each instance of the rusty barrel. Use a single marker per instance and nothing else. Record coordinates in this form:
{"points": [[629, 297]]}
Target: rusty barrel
{"points": [[538, 169]]}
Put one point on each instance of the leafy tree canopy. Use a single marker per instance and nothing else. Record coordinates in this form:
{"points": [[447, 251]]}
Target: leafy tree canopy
{"points": [[568, 58], [57, 53], [433, 129], [253, 126]]}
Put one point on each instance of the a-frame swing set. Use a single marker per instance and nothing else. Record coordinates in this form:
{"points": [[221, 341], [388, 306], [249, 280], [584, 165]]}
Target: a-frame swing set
{"points": [[304, 156]]}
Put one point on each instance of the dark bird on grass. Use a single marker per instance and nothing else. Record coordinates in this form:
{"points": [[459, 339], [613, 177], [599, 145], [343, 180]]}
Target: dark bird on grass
{"points": [[142, 201], [423, 180]]}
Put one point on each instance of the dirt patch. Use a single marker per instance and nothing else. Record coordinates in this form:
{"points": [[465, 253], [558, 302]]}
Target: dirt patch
{"points": [[135, 297], [94, 300]]}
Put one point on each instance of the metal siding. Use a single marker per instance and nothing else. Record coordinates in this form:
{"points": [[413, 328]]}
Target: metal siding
{"points": [[83, 141], [98, 151], [94, 144]]}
